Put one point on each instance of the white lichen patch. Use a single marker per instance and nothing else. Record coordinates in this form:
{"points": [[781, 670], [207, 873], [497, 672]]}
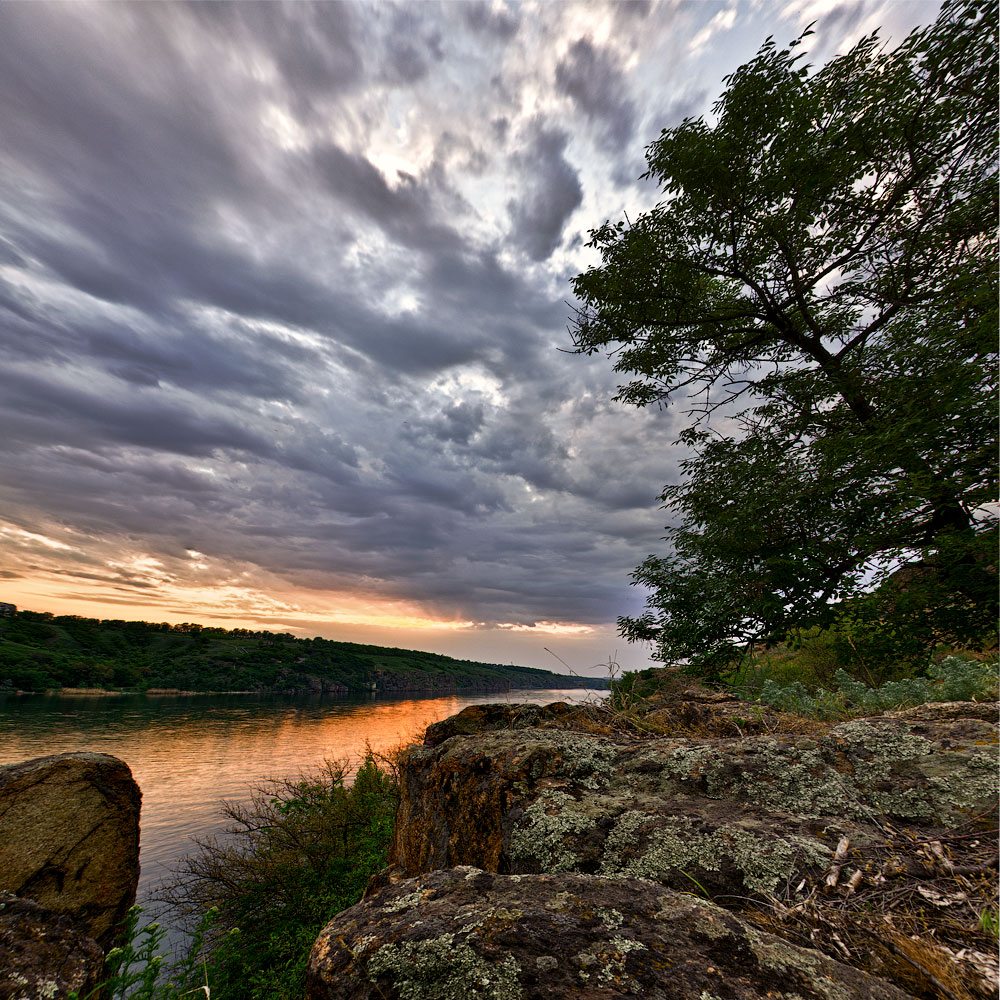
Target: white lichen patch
{"points": [[897, 773], [406, 902], [688, 762], [441, 969], [589, 759], [885, 742], [606, 962], [675, 845], [542, 831], [611, 918], [671, 846], [363, 944], [765, 863], [971, 787], [860, 769], [796, 780]]}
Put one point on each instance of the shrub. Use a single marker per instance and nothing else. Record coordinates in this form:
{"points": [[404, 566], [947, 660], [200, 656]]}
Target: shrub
{"points": [[291, 858], [955, 678]]}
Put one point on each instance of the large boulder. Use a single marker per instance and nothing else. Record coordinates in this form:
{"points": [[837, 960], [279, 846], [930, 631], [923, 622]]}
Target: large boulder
{"points": [[464, 934], [69, 838], [738, 816], [43, 954], [869, 840]]}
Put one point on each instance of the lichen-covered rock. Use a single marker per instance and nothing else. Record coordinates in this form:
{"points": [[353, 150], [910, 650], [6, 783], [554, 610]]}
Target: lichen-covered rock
{"points": [[948, 711], [69, 837], [739, 816], [491, 717], [465, 934], [42, 954]]}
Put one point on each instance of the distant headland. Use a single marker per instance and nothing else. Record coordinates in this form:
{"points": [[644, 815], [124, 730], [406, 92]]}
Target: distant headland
{"points": [[44, 652]]}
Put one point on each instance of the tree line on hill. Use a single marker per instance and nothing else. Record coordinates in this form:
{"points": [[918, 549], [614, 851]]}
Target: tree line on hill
{"points": [[41, 651]]}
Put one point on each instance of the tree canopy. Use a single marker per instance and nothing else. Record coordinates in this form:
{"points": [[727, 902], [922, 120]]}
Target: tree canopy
{"points": [[819, 283]]}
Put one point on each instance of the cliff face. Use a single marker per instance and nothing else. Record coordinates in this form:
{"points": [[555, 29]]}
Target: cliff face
{"points": [[792, 831]]}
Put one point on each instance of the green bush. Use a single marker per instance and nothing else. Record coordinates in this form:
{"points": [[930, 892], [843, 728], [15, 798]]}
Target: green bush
{"points": [[299, 852], [955, 678], [255, 899], [135, 969]]}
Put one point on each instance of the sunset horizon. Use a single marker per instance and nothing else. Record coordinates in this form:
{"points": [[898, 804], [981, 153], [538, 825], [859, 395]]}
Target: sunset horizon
{"points": [[284, 296]]}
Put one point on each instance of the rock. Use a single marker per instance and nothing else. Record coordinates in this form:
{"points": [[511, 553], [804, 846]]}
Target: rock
{"points": [[948, 711], [69, 838], [734, 816], [464, 934], [489, 718], [691, 712], [42, 954]]}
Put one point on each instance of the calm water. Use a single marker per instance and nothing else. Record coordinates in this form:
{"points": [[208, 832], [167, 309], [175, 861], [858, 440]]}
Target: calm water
{"points": [[188, 753]]}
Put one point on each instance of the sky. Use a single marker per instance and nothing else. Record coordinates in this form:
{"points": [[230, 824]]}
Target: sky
{"points": [[284, 294]]}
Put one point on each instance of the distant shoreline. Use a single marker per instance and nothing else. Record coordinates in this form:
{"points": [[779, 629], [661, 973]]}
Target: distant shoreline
{"points": [[150, 692], [69, 692]]}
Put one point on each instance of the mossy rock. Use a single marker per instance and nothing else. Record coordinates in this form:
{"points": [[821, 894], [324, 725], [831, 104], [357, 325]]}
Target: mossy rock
{"points": [[465, 934]]}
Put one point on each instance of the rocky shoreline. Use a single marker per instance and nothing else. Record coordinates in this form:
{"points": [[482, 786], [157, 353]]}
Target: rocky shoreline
{"points": [[695, 847], [703, 849]]}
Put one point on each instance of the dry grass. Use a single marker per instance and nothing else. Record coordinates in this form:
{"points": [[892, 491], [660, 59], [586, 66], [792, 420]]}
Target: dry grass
{"points": [[908, 908]]}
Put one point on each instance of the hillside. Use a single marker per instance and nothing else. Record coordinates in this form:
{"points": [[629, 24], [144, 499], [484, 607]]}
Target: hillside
{"points": [[40, 651]]}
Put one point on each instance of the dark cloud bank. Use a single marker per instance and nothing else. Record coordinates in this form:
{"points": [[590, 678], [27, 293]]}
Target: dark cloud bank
{"points": [[283, 285]]}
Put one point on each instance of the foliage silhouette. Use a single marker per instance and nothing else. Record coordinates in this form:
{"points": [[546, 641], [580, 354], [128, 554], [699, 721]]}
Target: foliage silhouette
{"points": [[819, 283]]}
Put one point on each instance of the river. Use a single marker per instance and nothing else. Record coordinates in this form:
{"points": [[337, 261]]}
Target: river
{"points": [[189, 753]]}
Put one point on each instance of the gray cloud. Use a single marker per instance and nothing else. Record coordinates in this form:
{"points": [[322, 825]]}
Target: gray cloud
{"points": [[315, 47], [593, 79], [550, 192], [279, 285], [481, 17]]}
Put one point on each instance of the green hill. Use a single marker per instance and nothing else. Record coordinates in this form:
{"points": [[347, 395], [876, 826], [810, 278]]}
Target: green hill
{"points": [[40, 651]]}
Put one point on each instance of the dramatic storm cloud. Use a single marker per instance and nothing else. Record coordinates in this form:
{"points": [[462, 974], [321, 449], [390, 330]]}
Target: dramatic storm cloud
{"points": [[282, 293]]}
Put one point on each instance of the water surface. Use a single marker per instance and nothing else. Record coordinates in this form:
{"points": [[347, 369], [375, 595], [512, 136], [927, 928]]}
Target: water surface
{"points": [[188, 753]]}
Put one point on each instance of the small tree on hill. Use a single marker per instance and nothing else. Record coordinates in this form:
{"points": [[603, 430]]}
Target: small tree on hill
{"points": [[820, 283]]}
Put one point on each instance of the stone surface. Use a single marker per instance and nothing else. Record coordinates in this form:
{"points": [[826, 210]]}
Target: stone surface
{"points": [[42, 955], [492, 717], [69, 837], [464, 934], [738, 816]]}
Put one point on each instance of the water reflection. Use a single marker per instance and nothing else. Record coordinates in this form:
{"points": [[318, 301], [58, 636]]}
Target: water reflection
{"points": [[187, 753]]}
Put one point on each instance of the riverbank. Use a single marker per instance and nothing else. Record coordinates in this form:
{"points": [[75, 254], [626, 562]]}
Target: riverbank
{"points": [[190, 752], [686, 843], [87, 692]]}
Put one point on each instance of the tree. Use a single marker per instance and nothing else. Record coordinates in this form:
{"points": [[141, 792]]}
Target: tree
{"points": [[819, 282]]}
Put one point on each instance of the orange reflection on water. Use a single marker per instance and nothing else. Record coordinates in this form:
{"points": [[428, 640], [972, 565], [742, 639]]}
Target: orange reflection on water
{"points": [[187, 754]]}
